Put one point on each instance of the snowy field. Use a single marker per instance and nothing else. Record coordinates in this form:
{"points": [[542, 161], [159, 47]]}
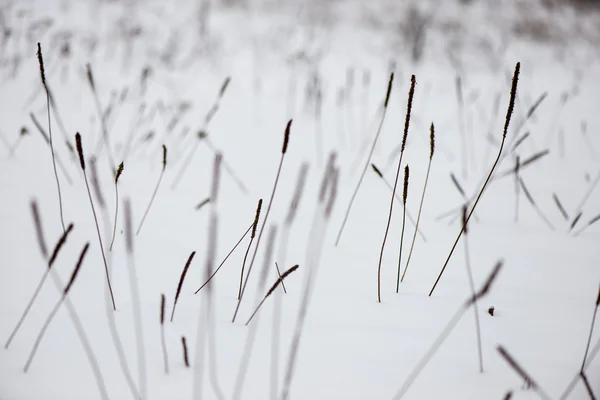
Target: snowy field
{"points": [[215, 81]]}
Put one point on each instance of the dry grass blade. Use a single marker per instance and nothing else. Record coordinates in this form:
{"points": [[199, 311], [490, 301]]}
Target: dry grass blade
{"points": [[180, 284], [162, 172], [521, 372]]}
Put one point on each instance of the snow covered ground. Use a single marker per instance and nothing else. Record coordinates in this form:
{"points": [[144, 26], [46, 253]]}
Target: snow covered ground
{"points": [[158, 67]]}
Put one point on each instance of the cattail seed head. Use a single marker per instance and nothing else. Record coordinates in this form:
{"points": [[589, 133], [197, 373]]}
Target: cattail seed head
{"points": [[162, 309], [77, 267], [405, 193], [488, 283], [377, 171], [164, 156], [41, 63], [256, 217], [280, 279], [431, 141], [389, 90], [79, 150], [464, 218], [90, 76], [38, 228], [513, 95], [411, 94], [286, 137], [59, 245], [119, 172]]}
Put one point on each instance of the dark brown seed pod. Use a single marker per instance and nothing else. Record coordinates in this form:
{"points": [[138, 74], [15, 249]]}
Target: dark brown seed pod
{"points": [[286, 136], [119, 172], [80, 150], [389, 91], [377, 171], [256, 217], [464, 218], [41, 63], [431, 141], [77, 267], [513, 95], [162, 309], [405, 193], [164, 156], [411, 94]]}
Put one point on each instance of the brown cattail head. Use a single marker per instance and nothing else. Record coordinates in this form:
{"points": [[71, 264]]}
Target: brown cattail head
{"points": [[411, 94], [486, 286], [80, 150], [377, 171], [59, 245], [224, 86], [90, 76], [389, 91], [464, 218], [164, 156], [185, 352], [256, 217], [286, 137], [431, 140], [162, 309], [38, 228], [76, 270], [513, 95], [280, 279], [119, 172], [405, 192], [41, 63], [128, 227]]}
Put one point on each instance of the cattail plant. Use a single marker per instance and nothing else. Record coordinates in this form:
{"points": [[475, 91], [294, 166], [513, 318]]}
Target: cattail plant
{"points": [[252, 235], [56, 307], [186, 360], [272, 289], [404, 197], [43, 77], [529, 382], [162, 172], [136, 301], [90, 78], [362, 175], [286, 139], [511, 106], [412, 245], [117, 175], [162, 333], [411, 93], [180, 284], [472, 287], [82, 164], [483, 291], [55, 252]]}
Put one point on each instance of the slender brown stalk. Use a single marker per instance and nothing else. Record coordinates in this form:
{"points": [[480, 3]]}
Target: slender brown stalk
{"points": [[362, 175], [101, 117], [57, 248], [534, 204], [117, 175], [162, 333], [180, 284], [39, 231], [511, 105], [82, 164], [521, 372], [445, 332], [43, 77], [162, 172], [591, 222], [252, 235], [562, 210], [286, 138], [56, 307], [185, 352], [202, 203], [517, 160], [272, 289], [404, 196], [411, 93], [412, 244], [587, 347], [47, 141]]}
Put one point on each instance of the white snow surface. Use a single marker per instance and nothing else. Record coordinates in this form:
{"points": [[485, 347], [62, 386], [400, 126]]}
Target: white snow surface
{"points": [[352, 346]]}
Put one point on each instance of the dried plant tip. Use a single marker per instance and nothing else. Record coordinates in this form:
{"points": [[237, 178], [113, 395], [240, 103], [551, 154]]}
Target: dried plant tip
{"points": [[377, 171], [90, 77], [286, 137], [256, 217], [77, 267], [79, 150], [411, 94], [203, 203], [431, 140], [598, 299], [162, 309], [41, 63], [181, 279], [59, 245], [513, 95], [38, 228], [464, 218], [224, 86], [164, 156], [511, 361], [405, 193], [119, 172], [389, 90], [185, 352], [488, 283], [280, 279], [575, 221], [128, 227]]}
